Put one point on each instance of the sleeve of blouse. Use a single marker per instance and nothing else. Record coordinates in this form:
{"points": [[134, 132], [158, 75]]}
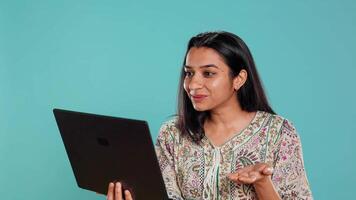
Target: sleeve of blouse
{"points": [[289, 175], [165, 155]]}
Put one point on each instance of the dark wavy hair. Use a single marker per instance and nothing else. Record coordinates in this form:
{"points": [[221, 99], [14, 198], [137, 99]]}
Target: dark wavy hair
{"points": [[237, 56]]}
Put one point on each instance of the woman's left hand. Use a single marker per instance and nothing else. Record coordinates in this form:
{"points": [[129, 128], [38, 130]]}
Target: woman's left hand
{"points": [[115, 192], [252, 174]]}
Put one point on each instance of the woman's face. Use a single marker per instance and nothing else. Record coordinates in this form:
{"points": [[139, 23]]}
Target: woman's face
{"points": [[207, 79]]}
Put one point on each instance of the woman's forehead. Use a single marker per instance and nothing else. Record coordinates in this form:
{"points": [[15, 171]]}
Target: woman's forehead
{"points": [[204, 57]]}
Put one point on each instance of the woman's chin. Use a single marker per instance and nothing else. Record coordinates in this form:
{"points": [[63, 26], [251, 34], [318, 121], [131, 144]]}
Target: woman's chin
{"points": [[200, 108]]}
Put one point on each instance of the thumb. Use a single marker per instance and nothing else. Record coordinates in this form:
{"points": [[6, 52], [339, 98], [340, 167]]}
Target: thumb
{"points": [[267, 170]]}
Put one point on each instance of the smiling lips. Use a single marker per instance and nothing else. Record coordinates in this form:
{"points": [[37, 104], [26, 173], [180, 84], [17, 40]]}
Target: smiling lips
{"points": [[198, 98]]}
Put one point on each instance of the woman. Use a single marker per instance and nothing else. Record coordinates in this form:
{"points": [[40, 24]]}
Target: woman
{"points": [[226, 141]]}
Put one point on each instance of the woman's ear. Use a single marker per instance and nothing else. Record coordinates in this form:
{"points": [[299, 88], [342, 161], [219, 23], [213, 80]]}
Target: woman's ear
{"points": [[240, 79]]}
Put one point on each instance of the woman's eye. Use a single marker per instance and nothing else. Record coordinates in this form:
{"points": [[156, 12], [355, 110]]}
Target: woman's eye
{"points": [[208, 74], [188, 74]]}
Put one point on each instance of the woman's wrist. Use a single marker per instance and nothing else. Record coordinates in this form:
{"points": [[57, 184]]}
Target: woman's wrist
{"points": [[262, 183], [265, 189]]}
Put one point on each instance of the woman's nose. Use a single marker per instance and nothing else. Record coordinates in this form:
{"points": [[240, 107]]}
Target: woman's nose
{"points": [[196, 82]]}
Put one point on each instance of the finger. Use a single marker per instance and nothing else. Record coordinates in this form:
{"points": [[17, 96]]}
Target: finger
{"points": [[110, 195], [233, 176], [267, 171], [235, 180], [244, 174], [128, 195], [247, 180], [118, 191], [260, 167]]}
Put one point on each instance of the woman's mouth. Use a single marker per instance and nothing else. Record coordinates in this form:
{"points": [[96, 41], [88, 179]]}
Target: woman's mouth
{"points": [[198, 98]]}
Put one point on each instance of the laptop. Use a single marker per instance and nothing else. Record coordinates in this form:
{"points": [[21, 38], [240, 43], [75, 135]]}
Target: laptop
{"points": [[103, 149]]}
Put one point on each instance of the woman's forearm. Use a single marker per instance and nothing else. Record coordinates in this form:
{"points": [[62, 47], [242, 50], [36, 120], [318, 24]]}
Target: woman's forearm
{"points": [[265, 190]]}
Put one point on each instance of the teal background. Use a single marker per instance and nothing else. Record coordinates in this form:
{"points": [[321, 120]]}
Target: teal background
{"points": [[123, 58]]}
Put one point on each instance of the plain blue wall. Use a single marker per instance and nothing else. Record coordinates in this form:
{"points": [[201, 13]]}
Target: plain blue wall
{"points": [[123, 58]]}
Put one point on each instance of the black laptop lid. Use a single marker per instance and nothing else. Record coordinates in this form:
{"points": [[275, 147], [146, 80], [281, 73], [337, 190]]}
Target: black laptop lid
{"points": [[103, 149]]}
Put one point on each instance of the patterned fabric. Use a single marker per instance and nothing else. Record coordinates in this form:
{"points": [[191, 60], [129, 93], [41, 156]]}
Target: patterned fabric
{"points": [[198, 171]]}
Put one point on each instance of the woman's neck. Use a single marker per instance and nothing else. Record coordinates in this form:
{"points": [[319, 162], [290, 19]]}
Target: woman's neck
{"points": [[226, 121], [227, 115]]}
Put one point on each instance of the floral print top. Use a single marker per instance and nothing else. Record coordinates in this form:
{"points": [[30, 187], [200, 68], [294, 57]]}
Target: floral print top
{"points": [[199, 171]]}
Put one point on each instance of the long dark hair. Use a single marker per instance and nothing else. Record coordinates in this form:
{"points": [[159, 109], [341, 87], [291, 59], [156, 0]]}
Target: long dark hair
{"points": [[237, 56]]}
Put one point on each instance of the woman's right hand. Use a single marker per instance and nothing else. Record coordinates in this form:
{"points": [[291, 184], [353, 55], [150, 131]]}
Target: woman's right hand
{"points": [[115, 192]]}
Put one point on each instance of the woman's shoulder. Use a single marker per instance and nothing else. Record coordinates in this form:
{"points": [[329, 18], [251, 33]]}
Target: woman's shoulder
{"points": [[170, 124], [280, 127], [169, 129], [279, 121]]}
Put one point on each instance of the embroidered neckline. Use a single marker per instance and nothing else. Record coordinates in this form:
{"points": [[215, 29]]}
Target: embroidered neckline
{"points": [[254, 125]]}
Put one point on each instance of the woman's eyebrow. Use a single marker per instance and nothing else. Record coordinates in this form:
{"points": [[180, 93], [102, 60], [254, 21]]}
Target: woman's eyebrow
{"points": [[203, 66]]}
